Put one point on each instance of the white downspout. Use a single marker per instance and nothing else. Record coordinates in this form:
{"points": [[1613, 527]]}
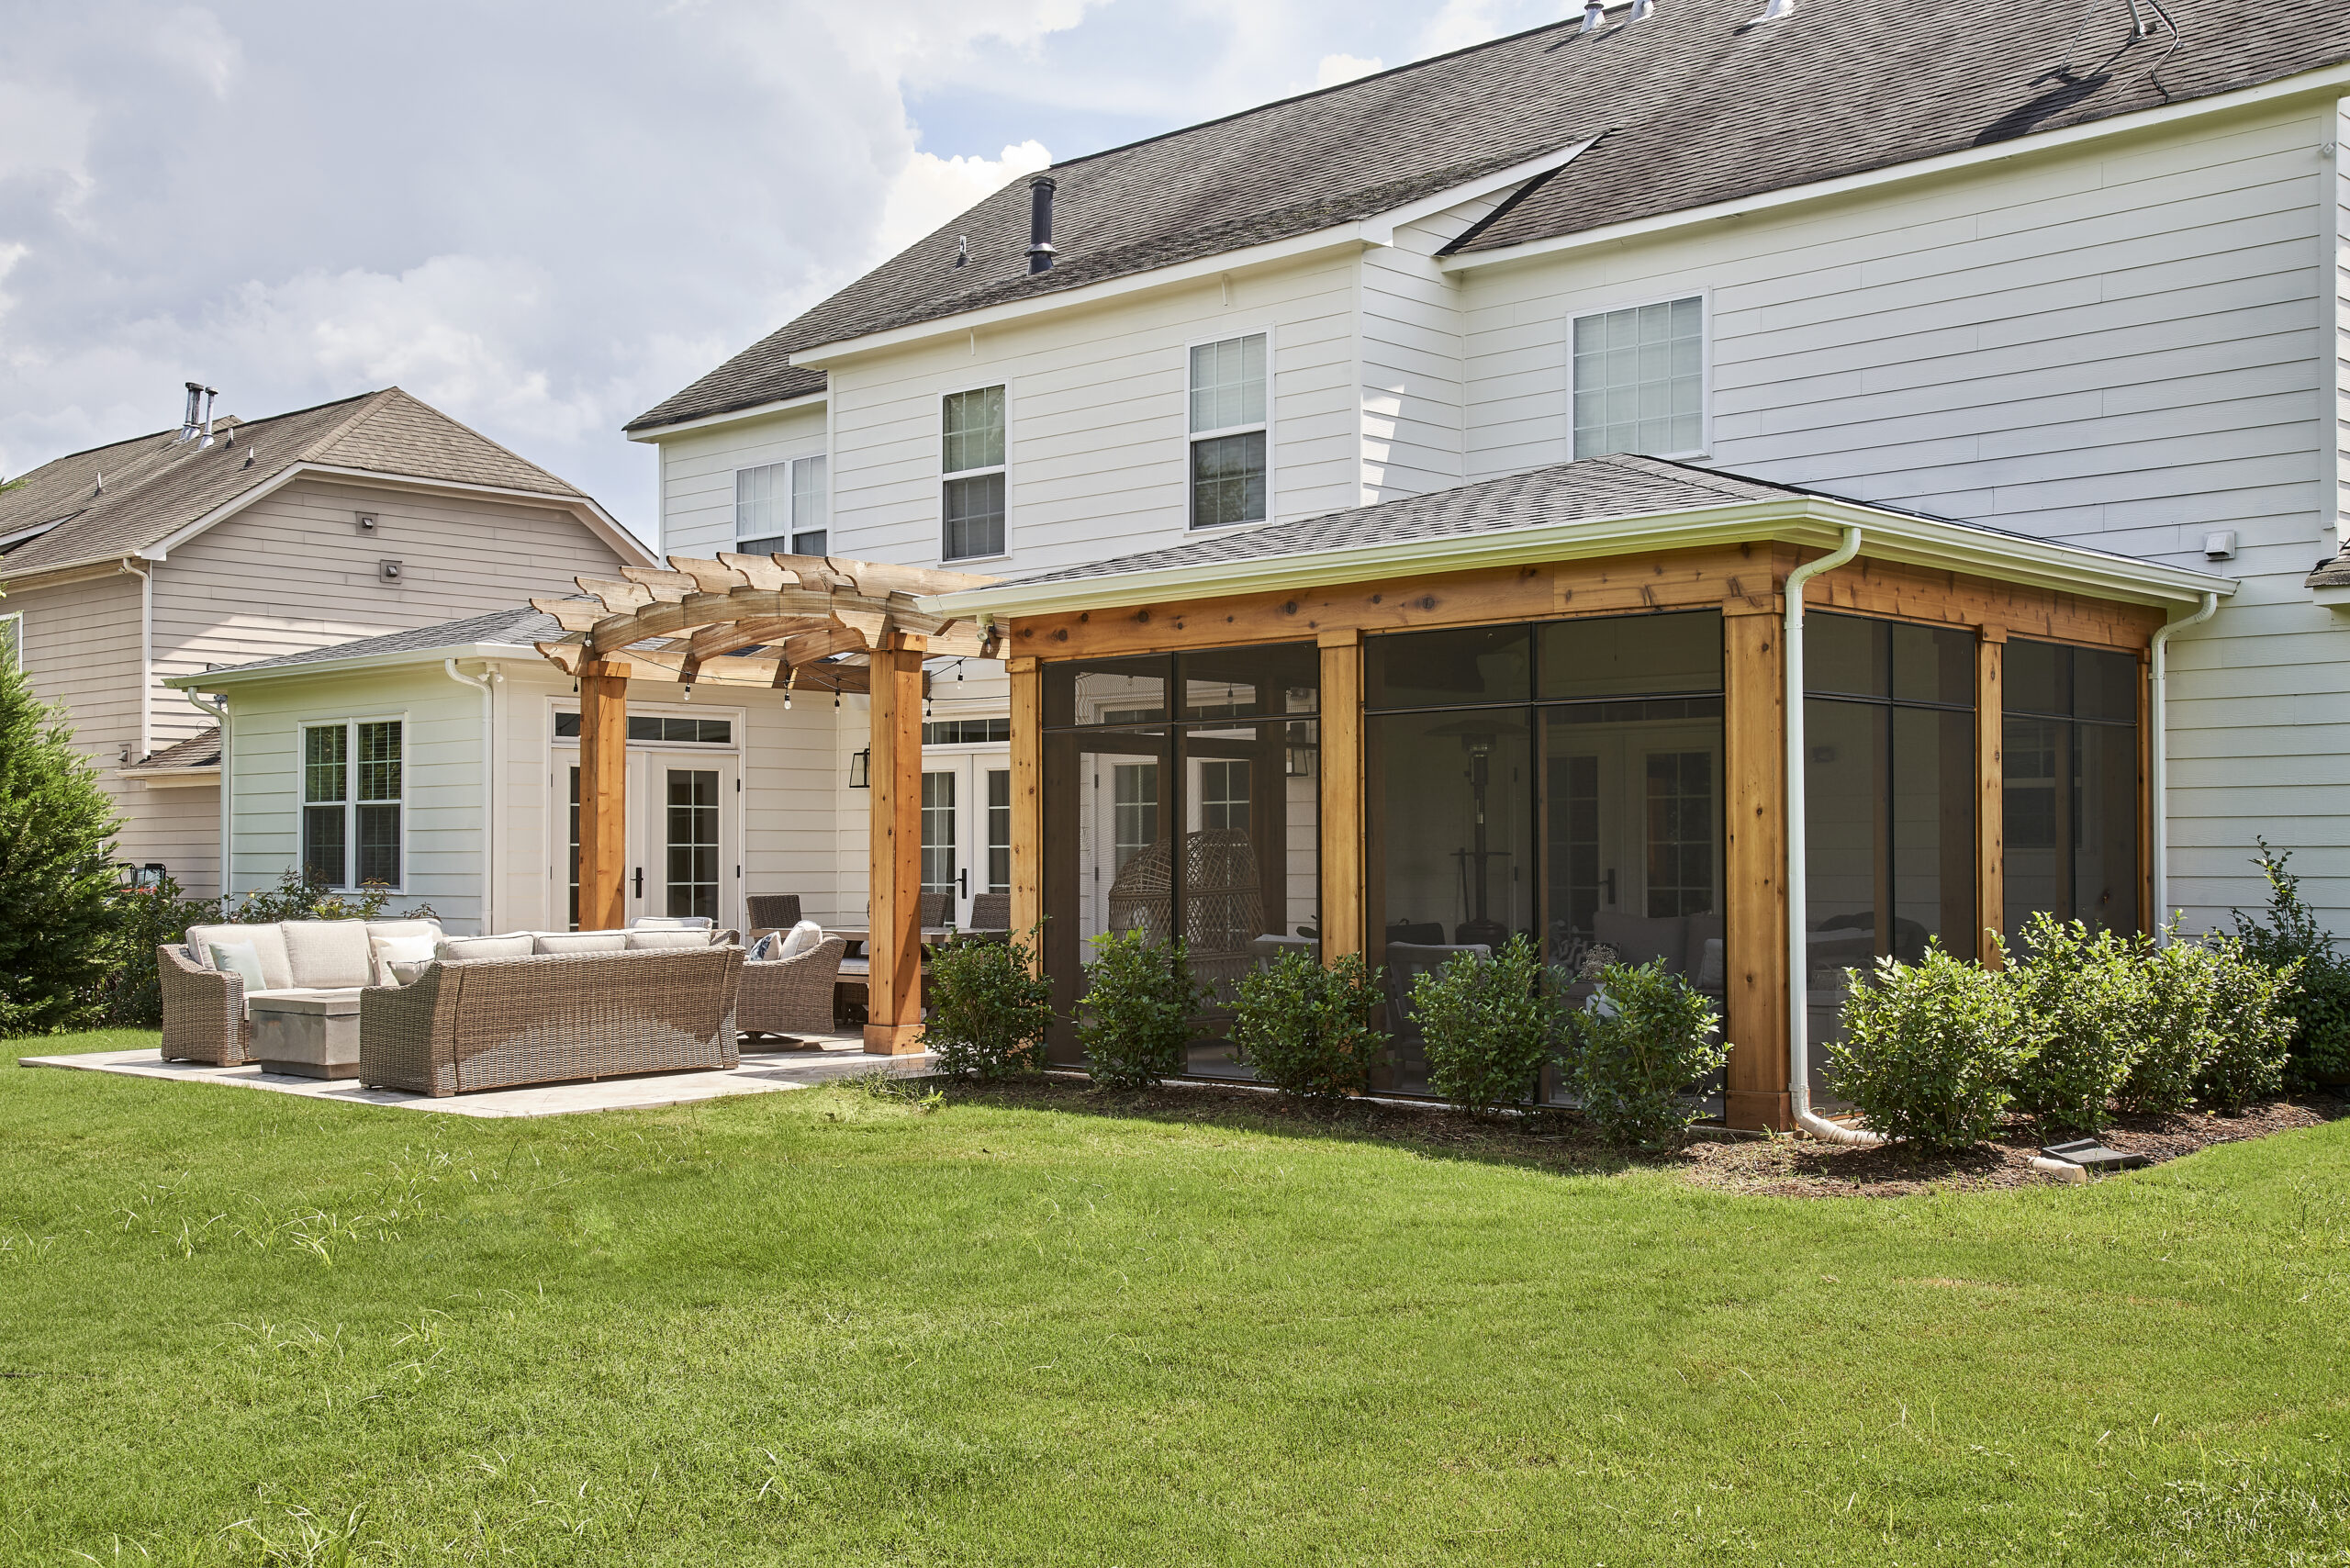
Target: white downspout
{"points": [[1798, 892], [2158, 762], [219, 717], [488, 789]]}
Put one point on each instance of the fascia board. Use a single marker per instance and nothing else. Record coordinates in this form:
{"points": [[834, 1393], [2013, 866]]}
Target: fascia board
{"points": [[655, 434], [165, 777], [1380, 230], [1813, 521], [211, 681], [2330, 81], [83, 570]]}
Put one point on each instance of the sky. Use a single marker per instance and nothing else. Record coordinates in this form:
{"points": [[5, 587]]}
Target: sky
{"points": [[544, 219]]}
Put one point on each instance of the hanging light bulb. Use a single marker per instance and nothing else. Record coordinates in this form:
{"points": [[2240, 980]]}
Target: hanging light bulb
{"points": [[791, 674]]}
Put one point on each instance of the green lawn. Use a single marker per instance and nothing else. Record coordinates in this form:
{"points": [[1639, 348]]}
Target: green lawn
{"points": [[828, 1327]]}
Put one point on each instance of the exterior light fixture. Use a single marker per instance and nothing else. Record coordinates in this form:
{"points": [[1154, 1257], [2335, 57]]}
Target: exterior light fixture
{"points": [[860, 769]]}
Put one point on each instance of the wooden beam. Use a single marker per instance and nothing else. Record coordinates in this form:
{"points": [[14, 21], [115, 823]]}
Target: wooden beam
{"points": [[1342, 797], [1755, 739], [1991, 792], [1901, 592], [1027, 676], [894, 870], [604, 796]]}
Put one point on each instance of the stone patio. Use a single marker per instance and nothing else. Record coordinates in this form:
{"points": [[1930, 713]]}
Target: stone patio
{"points": [[820, 1060]]}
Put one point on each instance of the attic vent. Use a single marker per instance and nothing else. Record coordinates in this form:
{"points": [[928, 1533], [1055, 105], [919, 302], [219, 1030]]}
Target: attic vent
{"points": [[1040, 223]]}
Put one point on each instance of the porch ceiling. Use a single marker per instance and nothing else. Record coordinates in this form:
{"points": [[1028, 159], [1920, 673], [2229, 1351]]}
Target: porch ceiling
{"points": [[767, 621]]}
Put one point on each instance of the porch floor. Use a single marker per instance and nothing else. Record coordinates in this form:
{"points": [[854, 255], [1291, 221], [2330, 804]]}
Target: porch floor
{"points": [[823, 1058]]}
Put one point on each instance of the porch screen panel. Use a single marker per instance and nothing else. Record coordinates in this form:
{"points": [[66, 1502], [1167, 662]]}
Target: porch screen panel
{"points": [[1561, 781], [2072, 805], [1204, 827], [1889, 802]]}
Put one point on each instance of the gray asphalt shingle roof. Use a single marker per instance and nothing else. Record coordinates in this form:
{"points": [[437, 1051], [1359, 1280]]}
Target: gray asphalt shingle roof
{"points": [[1697, 105], [515, 628], [129, 495]]}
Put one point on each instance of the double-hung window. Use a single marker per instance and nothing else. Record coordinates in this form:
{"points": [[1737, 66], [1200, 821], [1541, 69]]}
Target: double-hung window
{"points": [[971, 465], [779, 507], [352, 773], [1228, 432], [1639, 376], [12, 640]]}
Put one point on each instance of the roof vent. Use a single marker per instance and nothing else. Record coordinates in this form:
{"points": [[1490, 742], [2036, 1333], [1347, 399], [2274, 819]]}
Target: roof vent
{"points": [[1775, 11], [963, 251], [1594, 16], [1040, 223], [191, 422], [1641, 10]]}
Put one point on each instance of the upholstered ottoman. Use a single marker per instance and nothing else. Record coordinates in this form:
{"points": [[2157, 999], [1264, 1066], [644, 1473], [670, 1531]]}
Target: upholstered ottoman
{"points": [[308, 1035]]}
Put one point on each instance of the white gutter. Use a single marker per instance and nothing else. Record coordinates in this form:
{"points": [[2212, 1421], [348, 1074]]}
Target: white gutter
{"points": [[221, 717], [1799, 893], [2157, 747], [238, 674], [483, 683], [726, 416]]}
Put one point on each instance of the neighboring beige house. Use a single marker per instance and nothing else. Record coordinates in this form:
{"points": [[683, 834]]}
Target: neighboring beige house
{"points": [[228, 541]]}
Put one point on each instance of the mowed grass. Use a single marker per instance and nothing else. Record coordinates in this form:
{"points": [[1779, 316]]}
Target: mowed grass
{"points": [[832, 1328]]}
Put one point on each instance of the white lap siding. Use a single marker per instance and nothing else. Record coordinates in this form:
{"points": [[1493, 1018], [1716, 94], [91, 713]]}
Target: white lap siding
{"points": [[698, 473]]}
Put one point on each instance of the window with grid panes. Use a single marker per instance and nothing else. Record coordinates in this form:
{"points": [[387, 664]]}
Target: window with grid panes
{"points": [[971, 447], [352, 795], [1640, 380], [779, 507], [1228, 432]]}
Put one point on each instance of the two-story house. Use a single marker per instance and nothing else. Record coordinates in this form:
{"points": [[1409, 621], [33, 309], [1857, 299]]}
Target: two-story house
{"points": [[226, 541]]}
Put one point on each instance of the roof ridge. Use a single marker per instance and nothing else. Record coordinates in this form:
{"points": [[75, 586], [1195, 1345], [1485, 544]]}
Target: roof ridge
{"points": [[368, 403], [385, 397]]}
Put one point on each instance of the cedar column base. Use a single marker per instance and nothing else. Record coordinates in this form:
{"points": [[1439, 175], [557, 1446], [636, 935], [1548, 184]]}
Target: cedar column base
{"points": [[1752, 1110], [901, 1040]]}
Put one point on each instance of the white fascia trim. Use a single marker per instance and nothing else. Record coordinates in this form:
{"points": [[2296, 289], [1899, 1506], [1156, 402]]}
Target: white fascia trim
{"points": [[1380, 231], [1806, 520], [658, 434], [219, 679], [165, 778], [2331, 81]]}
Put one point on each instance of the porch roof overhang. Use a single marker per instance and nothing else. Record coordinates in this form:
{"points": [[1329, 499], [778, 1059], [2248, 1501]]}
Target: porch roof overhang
{"points": [[760, 620], [1806, 521]]}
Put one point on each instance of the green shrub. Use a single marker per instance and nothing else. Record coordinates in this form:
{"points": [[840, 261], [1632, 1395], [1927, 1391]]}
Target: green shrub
{"points": [[1633, 1071], [2169, 1003], [144, 919], [2320, 1010], [295, 898], [57, 882], [1932, 1049], [2080, 990], [988, 1011], [1307, 1029], [1138, 1014], [1488, 1025], [2252, 1025]]}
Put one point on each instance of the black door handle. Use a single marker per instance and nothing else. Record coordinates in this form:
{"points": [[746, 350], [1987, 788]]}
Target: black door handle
{"points": [[640, 881], [964, 876]]}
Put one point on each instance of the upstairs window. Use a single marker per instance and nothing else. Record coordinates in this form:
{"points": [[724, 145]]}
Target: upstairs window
{"points": [[1228, 432], [971, 462], [1640, 380], [779, 507], [351, 803]]}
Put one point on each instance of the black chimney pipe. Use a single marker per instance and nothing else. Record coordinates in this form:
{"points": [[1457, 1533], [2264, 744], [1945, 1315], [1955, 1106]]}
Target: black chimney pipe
{"points": [[1040, 223]]}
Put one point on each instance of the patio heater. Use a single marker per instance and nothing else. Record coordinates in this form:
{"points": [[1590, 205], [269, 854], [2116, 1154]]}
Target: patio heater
{"points": [[1478, 737]]}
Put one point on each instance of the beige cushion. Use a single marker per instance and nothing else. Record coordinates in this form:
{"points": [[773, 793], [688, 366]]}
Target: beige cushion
{"points": [[400, 973], [590, 941], [640, 940], [672, 922], [387, 951], [464, 949], [804, 937], [405, 928], [236, 959], [328, 955], [268, 943]]}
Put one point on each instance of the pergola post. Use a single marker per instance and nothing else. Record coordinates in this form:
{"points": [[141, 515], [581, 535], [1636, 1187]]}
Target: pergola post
{"points": [[604, 796], [893, 1009], [1755, 738], [1341, 803]]}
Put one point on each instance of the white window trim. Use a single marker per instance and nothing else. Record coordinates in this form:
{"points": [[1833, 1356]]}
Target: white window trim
{"points": [[1272, 497], [793, 525], [350, 727], [938, 447], [1704, 298], [17, 618]]}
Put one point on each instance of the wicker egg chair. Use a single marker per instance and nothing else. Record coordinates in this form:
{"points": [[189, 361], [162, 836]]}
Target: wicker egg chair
{"points": [[1223, 907]]}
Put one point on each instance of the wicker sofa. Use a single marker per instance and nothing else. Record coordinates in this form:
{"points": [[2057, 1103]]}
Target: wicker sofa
{"points": [[498, 1022], [207, 1015]]}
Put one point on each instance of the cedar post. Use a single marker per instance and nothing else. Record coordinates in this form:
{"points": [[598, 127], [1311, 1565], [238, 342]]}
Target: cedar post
{"points": [[604, 796], [1027, 676], [1340, 708], [893, 1011], [1991, 794], [1755, 737]]}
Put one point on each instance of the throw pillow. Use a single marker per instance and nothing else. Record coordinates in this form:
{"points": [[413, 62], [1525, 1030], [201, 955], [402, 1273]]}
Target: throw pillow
{"points": [[238, 958], [400, 972], [388, 950], [1711, 969], [765, 948], [804, 937]]}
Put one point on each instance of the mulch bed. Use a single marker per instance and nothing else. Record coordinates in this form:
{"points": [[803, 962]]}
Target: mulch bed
{"points": [[1784, 1167]]}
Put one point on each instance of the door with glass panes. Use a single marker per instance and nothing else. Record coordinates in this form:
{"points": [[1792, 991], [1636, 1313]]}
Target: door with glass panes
{"points": [[965, 828], [683, 855]]}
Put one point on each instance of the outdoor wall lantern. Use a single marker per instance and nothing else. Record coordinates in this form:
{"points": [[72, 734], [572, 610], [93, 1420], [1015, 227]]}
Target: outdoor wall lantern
{"points": [[860, 769]]}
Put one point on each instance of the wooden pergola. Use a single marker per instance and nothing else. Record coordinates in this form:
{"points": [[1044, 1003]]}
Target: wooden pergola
{"points": [[783, 623]]}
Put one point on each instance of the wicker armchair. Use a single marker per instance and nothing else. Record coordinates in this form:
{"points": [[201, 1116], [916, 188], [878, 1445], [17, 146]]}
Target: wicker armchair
{"points": [[495, 1023], [204, 1011], [791, 997]]}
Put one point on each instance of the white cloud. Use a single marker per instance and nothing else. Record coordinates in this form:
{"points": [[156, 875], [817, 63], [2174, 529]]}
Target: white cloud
{"points": [[929, 190], [1337, 68]]}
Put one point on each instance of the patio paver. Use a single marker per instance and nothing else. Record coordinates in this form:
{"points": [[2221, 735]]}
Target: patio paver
{"points": [[836, 1056]]}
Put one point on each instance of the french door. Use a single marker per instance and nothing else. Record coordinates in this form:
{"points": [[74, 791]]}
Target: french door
{"points": [[684, 858], [965, 828]]}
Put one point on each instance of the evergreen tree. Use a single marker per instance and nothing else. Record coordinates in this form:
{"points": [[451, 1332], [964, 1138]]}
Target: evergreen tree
{"points": [[56, 847]]}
